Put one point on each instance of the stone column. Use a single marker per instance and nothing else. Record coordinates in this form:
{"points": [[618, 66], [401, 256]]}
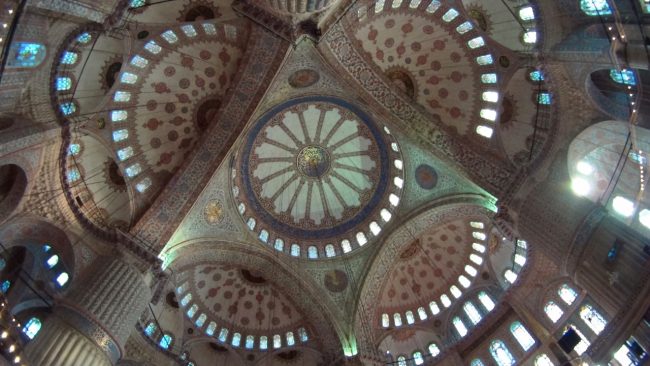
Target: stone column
{"points": [[92, 324]]}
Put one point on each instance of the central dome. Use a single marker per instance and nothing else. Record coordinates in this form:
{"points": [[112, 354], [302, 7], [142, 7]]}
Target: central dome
{"points": [[313, 161], [316, 171]]}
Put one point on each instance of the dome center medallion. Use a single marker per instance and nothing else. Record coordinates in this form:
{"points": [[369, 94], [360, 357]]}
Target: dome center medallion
{"points": [[313, 161]]}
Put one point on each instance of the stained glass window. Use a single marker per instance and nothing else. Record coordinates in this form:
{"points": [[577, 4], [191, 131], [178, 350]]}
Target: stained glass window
{"points": [[625, 76], [122, 96], [264, 342], [530, 37], [264, 236], [165, 341], [433, 349], [279, 245], [489, 78], [544, 98], [567, 294], [553, 311], [422, 313], [211, 328], [250, 342], [484, 131], [152, 47], [476, 42], [302, 334], [223, 335], [527, 13], [433, 306], [139, 61], [415, 3], [290, 339], [595, 7], [486, 300], [137, 3], [522, 335], [277, 341], [84, 38], [63, 83], [189, 30], [5, 286], [484, 60], [536, 75], [450, 15], [345, 245], [476, 362], [464, 27], [119, 115], [410, 319], [501, 354], [186, 300], [170, 36], [472, 312], [125, 153], [209, 28], [192, 310], [120, 135], [69, 58], [592, 318], [150, 329], [74, 149], [201, 320], [128, 78], [133, 170], [433, 6], [73, 175], [417, 358], [312, 252], [385, 320], [26, 54], [397, 319], [236, 340], [543, 360], [460, 326], [62, 279], [295, 250], [329, 251]]}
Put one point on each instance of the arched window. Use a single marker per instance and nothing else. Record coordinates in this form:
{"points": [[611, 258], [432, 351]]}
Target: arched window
{"points": [[264, 342], [510, 276], [290, 339], [476, 234], [397, 319], [470, 270], [250, 342], [422, 313], [595, 7], [302, 334], [410, 319], [150, 329], [401, 361], [476, 362], [433, 350], [433, 306], [385, 320], [69, 58], [264, 236], [312, 252], [236, 340], [52, 261], [553, 311], [186, 300], [476, 259], [62, 279], [26, 54], [624, 76], [592, 318], [4, 287], [460, 326], [444, 299], [501, 354], [486, 300], [472, 312], [329, 251], [277, 341], [32, 327], [201, 320], [279, 245], [165, 341], [63, 83], [455, 291], [192, 311], [567, 294], [543, 360], [211, 328], [464, 281], [295, 250], [417, 358], [345, 245], [223, 335], [522, 336]]}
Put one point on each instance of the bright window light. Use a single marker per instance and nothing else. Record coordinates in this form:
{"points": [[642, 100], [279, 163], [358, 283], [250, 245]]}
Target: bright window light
{"points": [[644, 218], [580, 186], [584, 168], [484, 131], [526, 13], [623, 206]]}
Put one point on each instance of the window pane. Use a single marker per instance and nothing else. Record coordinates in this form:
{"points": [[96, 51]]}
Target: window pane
{"points": [[593, 319], [32, 327], [553, 311], [165, 341], [522, 336], [567, 294], [501, 354], [434, 350], [397, 319], [417, 358], [472, 312], [510, 276], [486, 300], [460, 326], [543, 360]]}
